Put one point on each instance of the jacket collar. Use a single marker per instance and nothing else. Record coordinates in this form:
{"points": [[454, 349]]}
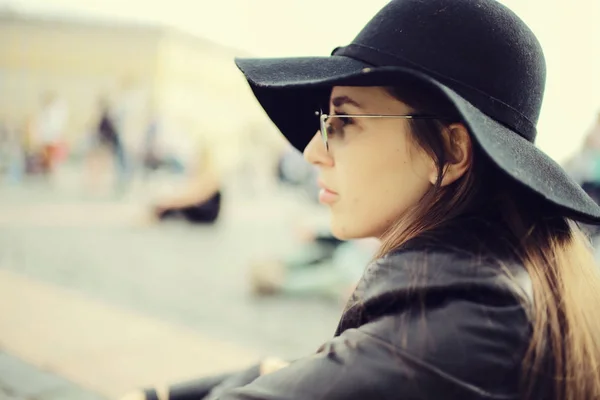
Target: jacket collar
{"points": [[467, 256]]}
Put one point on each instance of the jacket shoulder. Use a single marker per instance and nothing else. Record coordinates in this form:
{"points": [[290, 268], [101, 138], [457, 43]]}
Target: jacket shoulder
{"points": [[465, 316]]}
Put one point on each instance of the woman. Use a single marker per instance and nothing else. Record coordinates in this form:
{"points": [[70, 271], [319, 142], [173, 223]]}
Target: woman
{"points": [[484, 287]]}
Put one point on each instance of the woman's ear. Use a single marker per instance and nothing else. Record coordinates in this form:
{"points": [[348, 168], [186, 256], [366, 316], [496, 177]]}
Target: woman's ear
{"points": [[459, 152]]}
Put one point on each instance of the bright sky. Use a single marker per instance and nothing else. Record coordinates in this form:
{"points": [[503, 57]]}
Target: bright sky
{"points": [[570, 36]]}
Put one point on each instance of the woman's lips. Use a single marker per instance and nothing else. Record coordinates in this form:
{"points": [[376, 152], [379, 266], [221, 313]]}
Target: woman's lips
{"points": [[326, 195]]}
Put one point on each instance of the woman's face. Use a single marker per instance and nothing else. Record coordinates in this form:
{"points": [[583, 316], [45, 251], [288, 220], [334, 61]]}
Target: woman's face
{"points": [[373, 172]]}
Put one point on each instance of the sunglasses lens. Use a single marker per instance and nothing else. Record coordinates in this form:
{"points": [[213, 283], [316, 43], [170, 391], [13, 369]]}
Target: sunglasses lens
{"points": [[324, 128]]}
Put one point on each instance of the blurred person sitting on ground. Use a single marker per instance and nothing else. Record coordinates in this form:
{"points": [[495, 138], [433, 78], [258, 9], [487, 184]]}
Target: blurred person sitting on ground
{"points": [[199, 201], [319, 266], [483, 287]]}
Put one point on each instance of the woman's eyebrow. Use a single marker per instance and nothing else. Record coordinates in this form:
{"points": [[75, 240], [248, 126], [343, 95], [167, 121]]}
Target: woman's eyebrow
{"points": [[341, 100]]}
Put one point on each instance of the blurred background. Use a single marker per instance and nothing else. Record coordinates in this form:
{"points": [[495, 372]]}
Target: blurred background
{"points": [[154, 225]]}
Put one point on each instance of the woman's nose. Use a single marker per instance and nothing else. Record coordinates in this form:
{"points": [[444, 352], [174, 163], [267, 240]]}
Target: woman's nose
{"points": [[316, 153]]}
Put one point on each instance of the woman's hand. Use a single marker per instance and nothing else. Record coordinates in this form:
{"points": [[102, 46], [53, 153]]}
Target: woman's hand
{"points": [[267, 366]]}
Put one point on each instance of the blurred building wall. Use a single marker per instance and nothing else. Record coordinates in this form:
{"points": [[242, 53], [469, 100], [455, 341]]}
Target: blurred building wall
{"points": [[78, 62], [198, 85], [190, 81]]}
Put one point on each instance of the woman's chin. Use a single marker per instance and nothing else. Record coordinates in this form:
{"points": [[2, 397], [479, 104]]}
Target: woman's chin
{"points": [[348, 227], [344, 231]]}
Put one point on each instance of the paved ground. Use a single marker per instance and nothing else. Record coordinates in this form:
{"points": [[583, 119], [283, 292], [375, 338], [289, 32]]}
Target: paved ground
{"points": [[22, 381], [94, 258]]}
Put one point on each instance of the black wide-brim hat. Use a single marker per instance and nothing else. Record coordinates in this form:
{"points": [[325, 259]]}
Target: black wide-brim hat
{"points": [[477, 54]]}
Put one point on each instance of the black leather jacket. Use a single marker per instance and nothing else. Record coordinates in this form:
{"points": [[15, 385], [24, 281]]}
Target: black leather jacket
{"points": [[445, 317]]}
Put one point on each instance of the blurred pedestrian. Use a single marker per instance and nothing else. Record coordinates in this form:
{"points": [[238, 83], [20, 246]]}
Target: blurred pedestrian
{"points": [[49, 130], [106, 144]]}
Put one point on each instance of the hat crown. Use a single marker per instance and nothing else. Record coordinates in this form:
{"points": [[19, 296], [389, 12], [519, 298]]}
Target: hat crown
{"points": [[479, 48]]}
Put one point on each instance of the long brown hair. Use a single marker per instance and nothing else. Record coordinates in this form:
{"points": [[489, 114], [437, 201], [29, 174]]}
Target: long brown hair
{"points": [[565, 314]]}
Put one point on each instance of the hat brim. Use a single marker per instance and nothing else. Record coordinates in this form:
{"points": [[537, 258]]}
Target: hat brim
{"points": [[291, 90]]}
